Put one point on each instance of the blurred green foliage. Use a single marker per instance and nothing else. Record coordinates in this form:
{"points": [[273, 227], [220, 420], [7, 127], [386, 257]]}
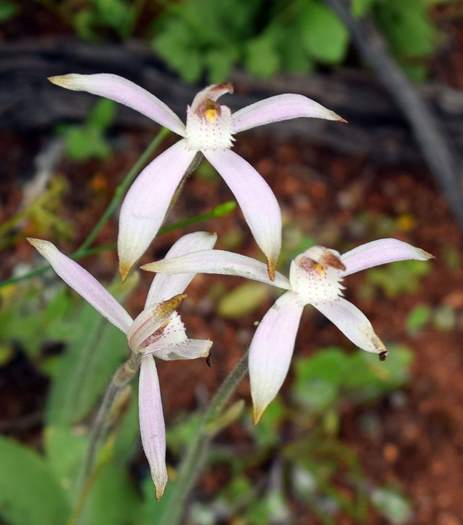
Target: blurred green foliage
{"points": [[88, 140], [207, 38], [8, 10], [312, 465], [397, 278]]}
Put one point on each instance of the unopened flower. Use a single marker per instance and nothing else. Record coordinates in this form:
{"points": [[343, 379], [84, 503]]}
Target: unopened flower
{"points": [[157, 332], [315, 278], [210, 129]]}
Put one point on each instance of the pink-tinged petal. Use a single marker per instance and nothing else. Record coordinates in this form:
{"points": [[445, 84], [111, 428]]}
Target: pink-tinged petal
{"points": [[271, 350], [278, 108], [166, 286], [84, 284], [255, 198], [379, 252], [152, 427], [353, 324], [189, 349], [125, 92], [218, 262], [146, 203]]}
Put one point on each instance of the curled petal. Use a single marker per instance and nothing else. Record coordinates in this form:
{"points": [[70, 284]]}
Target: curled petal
{"points": [[353, 324], [152, 428], [155, 323], [125, 92], [165, 286], [278, 108], [147, 202], [84, 284], [256, 200], [218, 262], [379, 252], [271, 350], [213, 92], [189, 349]]}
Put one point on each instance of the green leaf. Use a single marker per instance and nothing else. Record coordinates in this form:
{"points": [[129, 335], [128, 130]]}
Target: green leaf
{"points": [[29, 492], [323, 35], [113, 500], [418, 318], [8, 10], [319, 378], [102, 114], [261, 56], [219, 63], [83, 142], [243, 300], [176, 46], [95, 351], [392, 505], [407, 27], [65, 450], [369, 378]]}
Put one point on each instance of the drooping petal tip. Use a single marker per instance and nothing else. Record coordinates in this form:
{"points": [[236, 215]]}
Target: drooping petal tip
{"points": [[425, 256], [338, 118], [159, 486], [39, 244], [124, 269], [65, 81], [271, 269], [257, 413]]}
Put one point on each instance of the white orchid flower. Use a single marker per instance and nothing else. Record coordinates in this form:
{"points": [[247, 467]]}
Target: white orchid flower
{"points": [[210, 129], [157, 332], [315, 278]]}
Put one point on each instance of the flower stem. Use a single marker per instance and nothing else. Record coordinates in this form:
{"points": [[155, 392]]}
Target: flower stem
{"points": [[196, 455], [121, 190], [122, 377]]}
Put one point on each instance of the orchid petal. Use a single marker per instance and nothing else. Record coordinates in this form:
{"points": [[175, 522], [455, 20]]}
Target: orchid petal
{"points": [[189, 349], [152, 427], [218, 262], [255, 198], [125, 92], [353, 324], [84, 284], [147, 202], [381, 251], [165, 286], [271, 350], [278, 108]]}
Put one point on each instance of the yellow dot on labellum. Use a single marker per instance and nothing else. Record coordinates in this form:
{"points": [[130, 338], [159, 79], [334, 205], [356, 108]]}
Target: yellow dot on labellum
{"points": [[211, 115]]}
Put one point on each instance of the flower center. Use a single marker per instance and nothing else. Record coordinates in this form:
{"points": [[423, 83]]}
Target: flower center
{"points": [[316, 275], [208, 124]]}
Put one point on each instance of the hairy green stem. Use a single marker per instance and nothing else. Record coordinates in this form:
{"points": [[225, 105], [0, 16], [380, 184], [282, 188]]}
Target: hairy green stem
{"points": [[196, 455], [122, 377]]}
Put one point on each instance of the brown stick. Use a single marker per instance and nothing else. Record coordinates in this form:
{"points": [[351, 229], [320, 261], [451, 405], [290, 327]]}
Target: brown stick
{"points": [[429, 135], [376, 127]]}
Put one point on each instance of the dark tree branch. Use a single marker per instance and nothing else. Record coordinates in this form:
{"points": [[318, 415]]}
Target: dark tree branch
{"points": [[429, 135], [376, 127]]}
